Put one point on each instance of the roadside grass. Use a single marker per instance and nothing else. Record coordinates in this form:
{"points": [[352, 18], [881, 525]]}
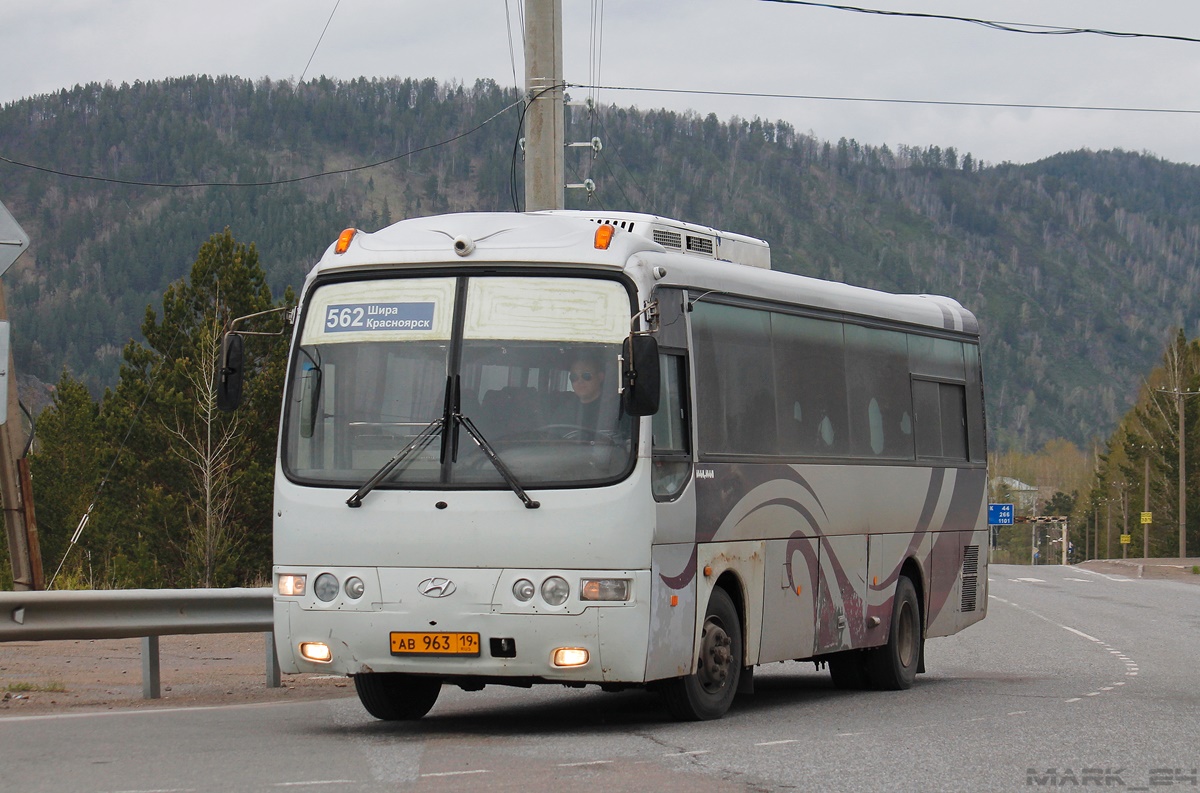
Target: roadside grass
{"points": [[54, 686]]}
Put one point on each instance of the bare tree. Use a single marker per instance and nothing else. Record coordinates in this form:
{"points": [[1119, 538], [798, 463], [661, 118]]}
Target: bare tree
{"points": [[208, 442]]}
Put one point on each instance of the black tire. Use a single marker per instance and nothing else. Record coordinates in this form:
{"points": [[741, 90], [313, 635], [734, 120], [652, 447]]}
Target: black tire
{"points": [[893, 667], [848, 670], [396, 697], [709, 693]]}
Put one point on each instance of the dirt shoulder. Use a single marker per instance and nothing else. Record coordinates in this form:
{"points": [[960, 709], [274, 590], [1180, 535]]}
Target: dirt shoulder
{"points": [[216, 669], [1174, 569]]}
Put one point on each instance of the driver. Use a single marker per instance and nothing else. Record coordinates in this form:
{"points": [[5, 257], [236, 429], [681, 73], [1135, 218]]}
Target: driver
{"points": [[587, 381]]}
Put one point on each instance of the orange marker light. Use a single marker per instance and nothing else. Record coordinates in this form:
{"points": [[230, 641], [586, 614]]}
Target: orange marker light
{"points": [[674, 600], [604, 236], [343, 243], [707, 570], [799, 589]]}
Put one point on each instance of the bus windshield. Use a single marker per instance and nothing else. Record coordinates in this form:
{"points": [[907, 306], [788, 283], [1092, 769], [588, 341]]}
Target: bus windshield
{"points": [[531, 362]]}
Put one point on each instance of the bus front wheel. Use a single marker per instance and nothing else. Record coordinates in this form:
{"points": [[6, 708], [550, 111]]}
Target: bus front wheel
{"points": [[709, 692], [396, 697], [893, 666]]}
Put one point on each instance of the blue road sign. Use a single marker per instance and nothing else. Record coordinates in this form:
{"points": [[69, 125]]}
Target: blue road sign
{"points": [[1000, 514]]}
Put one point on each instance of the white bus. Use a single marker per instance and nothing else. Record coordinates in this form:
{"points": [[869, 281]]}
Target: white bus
{"points": [[617, 449]]}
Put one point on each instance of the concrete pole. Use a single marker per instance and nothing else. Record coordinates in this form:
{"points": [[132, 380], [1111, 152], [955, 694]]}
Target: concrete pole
{"points": [[545, 137], [1124, 519], [1108, 530], [1064, 542], [1146, 508], [1182, 474]]}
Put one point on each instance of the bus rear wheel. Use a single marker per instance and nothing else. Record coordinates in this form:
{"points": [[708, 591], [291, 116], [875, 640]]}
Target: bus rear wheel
{"points": [[709, 692], [396, 697], [894, 666]]}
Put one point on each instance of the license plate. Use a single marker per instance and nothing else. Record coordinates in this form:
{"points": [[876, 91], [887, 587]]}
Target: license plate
{"points": [[416, 643]]}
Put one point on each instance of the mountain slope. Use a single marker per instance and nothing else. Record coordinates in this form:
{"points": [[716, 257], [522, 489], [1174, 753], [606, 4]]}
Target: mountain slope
{"points": [[1078, 266]]}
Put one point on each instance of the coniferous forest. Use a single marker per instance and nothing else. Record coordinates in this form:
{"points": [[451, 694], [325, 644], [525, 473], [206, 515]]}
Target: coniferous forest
{"points": [[185, 204]]}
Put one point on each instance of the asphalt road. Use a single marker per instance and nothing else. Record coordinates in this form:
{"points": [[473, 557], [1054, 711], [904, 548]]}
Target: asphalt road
{"points": [[1075, 679]]}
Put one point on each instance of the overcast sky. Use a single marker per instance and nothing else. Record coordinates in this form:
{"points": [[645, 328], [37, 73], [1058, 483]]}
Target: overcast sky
{"points": [[708, 45]]}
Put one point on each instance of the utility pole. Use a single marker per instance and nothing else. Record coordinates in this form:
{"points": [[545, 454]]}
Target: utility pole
{"points": [[545, 136], [1146, 509], [16, 488], [1182, 475]]}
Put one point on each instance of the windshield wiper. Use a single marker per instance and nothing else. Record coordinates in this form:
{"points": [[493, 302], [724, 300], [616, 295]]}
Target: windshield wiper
{"points": [[418, 444], [482, 443]]}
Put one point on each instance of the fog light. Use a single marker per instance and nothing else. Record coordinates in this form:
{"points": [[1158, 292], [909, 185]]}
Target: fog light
{"points": [[555, 590], [291, 585], [325, 587], [570, 656], [355, 588], [604, 589], [316, 651], [523, 590]]}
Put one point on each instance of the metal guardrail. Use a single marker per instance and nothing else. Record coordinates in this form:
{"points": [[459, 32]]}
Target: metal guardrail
{"points": [[139, 613]]}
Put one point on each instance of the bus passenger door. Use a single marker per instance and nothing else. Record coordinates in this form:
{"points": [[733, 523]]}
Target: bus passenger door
{"points": [[789, 600], [673, 555]]}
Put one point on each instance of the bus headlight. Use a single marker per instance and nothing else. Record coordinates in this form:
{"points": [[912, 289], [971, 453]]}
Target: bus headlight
{"points": [[555, 590], [291, 585], [316, 651], [570, 656], [604, 589], [523, 590], [325, 587], [355, 588]]}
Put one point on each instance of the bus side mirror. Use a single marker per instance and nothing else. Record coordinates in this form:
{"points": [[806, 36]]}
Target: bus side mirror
{"points": [[640, 376], [229, 373]]}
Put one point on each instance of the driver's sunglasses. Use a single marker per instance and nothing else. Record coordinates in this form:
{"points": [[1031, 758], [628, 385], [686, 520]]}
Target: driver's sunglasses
{"points": [[576, 375]]}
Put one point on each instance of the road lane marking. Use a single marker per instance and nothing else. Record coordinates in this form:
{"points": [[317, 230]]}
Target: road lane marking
{"points": [[1117, 578], [776, 743], [152, 710], [692, 753], [586, 762], [457, 773], [313, 783], [1131, 668], [1080, 633]]}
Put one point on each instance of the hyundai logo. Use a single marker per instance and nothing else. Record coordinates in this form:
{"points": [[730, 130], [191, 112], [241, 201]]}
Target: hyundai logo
{"points": [[436, 587]]}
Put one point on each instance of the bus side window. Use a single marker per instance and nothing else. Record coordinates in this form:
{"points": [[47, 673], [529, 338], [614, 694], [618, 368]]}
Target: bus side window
{"points": [[671, 447]]}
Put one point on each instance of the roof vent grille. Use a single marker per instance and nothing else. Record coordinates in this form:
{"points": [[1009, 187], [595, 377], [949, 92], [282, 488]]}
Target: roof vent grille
{"points": [[668, 239], [701, 245]]}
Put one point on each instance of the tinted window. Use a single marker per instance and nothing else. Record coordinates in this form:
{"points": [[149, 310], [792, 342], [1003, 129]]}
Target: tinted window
{"points": [[736, 380], [880, 401]]}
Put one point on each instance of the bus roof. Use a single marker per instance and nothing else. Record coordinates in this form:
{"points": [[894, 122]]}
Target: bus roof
{"points": [[685, 254]]}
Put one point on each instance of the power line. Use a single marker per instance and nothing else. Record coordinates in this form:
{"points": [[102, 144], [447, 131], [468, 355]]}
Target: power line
{"points": [[320, 39], [512, 55], [273, 183], [1008, 27], [881, 100]]}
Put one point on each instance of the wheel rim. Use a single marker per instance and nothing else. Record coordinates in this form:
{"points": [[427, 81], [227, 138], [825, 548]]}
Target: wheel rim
{"points": [[906, 634], [716, 658]]}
